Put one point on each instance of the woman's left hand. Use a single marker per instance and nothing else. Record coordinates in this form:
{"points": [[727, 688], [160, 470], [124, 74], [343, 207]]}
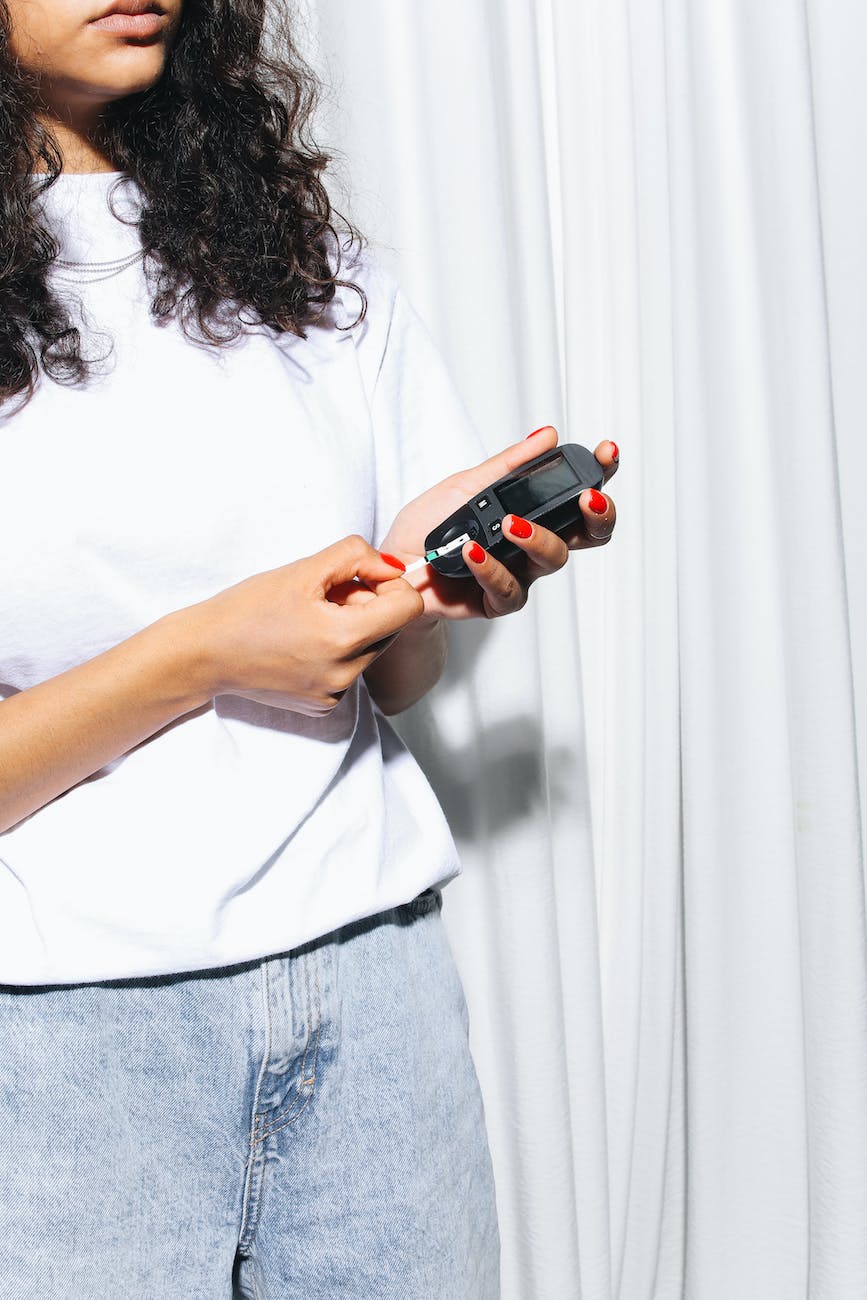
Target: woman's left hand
{"points": [[497, 590]]}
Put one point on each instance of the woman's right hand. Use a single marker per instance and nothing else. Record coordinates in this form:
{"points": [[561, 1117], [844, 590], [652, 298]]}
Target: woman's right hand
{"points": [[295, 637], [278, 638]]}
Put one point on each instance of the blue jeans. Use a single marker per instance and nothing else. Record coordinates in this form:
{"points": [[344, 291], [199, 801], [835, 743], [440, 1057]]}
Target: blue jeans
{"points": [[306, 1125]]}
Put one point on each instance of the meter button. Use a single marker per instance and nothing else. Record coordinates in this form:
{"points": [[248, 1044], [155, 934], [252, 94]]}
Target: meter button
{"points": [[495, 526], [482, 503]]}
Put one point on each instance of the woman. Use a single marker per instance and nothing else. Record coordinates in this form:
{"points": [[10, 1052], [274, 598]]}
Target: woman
{"points": [[234, 1041]]}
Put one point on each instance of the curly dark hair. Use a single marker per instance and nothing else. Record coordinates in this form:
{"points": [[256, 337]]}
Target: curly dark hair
{"points": [[235, 217]]}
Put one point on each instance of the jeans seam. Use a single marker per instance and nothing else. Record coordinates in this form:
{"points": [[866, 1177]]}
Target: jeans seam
{"points": [[250, 1222], [312, 1079], [307, 960], [254, 1285], [290, 1119], [287, 1117]]}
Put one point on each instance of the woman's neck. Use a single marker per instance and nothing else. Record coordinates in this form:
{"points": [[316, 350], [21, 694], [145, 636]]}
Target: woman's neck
{"points": [[81, 153]]}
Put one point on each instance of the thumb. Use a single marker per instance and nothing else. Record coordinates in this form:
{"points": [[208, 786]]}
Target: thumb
{"points": [[394, 606]]}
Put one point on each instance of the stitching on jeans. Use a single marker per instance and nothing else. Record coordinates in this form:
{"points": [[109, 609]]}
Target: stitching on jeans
{"points": [[281, 1114], [256, 1205], [312, 1078], [288, 1117], [254, 1134], [309, 1017], [254, 1285], [263, 1133], [292, 1118]]}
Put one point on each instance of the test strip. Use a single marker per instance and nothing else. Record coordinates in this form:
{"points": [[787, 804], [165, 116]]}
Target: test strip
{"points": [[454, 545]]}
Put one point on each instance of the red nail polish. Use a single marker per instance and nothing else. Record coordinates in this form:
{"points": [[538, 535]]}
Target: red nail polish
{"points": [[519, 526], [393, 560], [616, 452], [535, 431], [597, 502], [475, 553]]}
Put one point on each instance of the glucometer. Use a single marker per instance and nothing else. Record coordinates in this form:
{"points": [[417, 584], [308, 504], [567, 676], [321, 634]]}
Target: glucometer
{"points": [[544, 491]]}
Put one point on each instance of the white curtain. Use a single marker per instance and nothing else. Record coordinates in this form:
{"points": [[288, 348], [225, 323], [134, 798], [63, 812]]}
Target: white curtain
{"points": [[647, 220]]}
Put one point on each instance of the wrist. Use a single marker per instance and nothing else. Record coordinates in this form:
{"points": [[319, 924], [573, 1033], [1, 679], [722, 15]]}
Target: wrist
{"points": [[424, 633], [410, 666], [188, 657]]}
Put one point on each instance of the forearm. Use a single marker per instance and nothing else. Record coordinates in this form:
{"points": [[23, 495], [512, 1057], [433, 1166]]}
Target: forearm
{"points": [[55, 734], [410, 666]]}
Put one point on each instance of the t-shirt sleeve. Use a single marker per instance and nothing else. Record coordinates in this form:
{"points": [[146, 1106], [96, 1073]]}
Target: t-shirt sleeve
{"points": [[422, 430]]}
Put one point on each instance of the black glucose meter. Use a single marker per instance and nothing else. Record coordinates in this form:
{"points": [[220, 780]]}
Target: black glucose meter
{"points": [[544, 491]]}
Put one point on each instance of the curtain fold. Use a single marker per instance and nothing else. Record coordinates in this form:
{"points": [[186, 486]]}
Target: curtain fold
{"points": [[644, 219]]}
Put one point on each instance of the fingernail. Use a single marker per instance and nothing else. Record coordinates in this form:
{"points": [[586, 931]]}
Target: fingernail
{"points": [[597, 503], [519, 526], [393, 560], [535, 431], [475, 553], [615, 453]]}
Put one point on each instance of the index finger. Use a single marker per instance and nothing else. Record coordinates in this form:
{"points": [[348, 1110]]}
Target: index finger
{"points": [[351, 557]]}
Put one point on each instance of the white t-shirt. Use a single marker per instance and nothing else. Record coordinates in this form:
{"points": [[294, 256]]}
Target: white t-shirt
{"points": [[243, 830]]}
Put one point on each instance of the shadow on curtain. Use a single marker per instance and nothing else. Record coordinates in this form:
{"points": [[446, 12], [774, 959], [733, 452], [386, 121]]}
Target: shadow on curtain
{"points": [[645, 220]]}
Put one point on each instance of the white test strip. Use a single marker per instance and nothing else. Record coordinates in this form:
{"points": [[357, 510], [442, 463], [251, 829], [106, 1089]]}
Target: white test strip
{"points": [[454, 545]]}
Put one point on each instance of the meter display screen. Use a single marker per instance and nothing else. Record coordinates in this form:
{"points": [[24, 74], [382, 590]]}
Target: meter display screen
{"points": [[537, 486]]}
